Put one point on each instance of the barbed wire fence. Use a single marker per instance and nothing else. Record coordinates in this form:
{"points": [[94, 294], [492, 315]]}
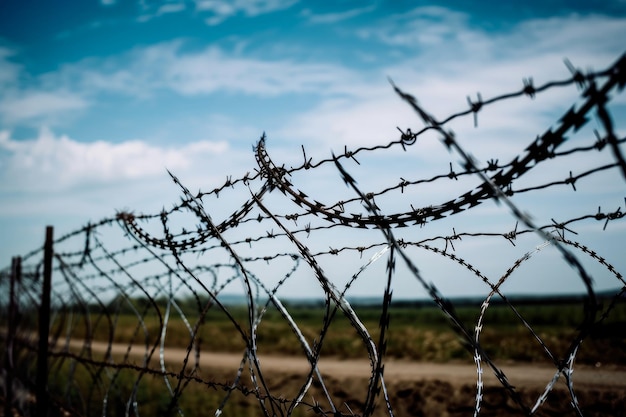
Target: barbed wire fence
{"points": [[129, 273]]}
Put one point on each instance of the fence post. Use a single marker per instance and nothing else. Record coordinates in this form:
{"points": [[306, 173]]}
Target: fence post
{"points": [[15, 277], [44, 328]]}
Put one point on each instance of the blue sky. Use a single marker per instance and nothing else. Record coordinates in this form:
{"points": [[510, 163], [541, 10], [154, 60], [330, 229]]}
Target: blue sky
{"points": [[98, 99]]}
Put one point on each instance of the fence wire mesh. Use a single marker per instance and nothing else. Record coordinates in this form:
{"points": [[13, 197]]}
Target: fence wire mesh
{"points": [[136, 298]]}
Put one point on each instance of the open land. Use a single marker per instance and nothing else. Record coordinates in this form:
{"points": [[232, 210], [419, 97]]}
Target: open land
{"points": [[415, 388], [428, 371]]}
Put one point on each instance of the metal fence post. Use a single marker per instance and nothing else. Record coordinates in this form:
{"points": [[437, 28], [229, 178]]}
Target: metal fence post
{"points": [[44, 328]]}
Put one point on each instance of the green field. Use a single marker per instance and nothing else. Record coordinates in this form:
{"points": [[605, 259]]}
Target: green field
{"points": [[416, 331]]}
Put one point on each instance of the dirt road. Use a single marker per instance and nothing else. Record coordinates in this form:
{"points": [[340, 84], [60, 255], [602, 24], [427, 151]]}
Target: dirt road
{"points": [[395, 370], [415, 388]]}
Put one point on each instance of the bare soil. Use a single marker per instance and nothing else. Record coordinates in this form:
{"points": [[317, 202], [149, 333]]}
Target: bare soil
{"points": [[415, 388]]}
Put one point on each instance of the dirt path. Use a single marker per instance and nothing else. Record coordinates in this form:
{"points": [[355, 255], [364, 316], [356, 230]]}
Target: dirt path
{"points": [[527, 375]]}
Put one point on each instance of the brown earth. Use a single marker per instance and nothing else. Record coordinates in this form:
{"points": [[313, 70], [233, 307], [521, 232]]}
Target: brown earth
{"points": [[415, 388]]}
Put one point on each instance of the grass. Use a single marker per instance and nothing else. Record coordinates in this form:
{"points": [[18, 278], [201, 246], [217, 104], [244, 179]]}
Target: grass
{"points": [[416, 332], [79, 388], [152, 398]]}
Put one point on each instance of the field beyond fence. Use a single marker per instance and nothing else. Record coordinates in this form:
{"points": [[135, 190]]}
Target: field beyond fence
{"points": [[321, 288]]}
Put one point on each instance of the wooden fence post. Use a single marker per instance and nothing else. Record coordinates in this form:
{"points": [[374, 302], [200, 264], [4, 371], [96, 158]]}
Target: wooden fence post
{"points": [[44, 328], [15, 277]]}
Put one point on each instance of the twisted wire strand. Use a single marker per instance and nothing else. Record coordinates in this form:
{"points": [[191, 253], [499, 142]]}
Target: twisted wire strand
{"points": [[155, 272]]}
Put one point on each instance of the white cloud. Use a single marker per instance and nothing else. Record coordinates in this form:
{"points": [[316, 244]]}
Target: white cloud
{"points": [[335, 17], [248, 7], [217, 10], [337, 122], [52, 163], [9, 71], [25, 106], [438, 35], [360, 108], [144, 71], [220, 11], [171, 8], [472, 61], [32, 103], [211, 70], [422, 26], [579, 35]]}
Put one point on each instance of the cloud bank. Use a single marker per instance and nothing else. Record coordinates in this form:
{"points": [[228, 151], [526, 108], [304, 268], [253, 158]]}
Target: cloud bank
{"points": [[51, 163]]}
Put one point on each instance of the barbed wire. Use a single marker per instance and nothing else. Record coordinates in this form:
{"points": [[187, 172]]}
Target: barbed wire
{"points": [[121, 282]]}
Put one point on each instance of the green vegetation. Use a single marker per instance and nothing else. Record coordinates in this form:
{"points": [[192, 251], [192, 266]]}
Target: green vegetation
{"points": [[81, 388], [85, 387], [416, 331]]}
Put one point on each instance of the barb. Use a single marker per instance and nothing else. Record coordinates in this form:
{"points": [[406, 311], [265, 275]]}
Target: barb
{"points": [[139, 300]]}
